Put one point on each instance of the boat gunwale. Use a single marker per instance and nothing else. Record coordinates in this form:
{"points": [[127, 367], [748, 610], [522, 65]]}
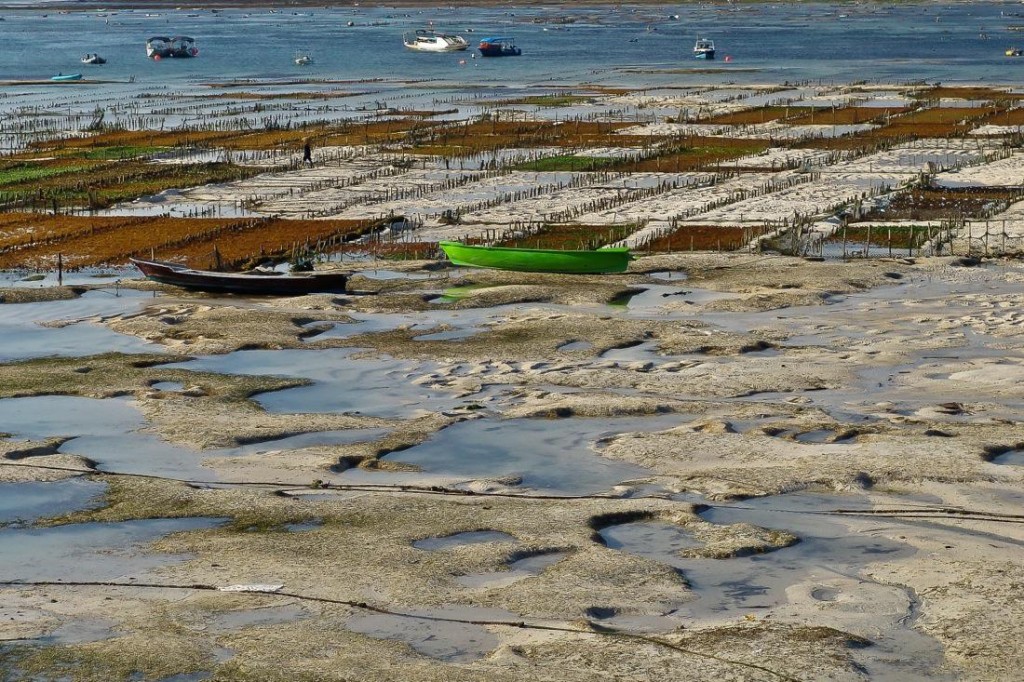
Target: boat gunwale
{"points": [[527, 249]]}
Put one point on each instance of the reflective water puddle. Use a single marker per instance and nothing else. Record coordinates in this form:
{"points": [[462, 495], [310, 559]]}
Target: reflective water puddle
{"points": [[460, 539], [342, 384], [109, 434], [519, 569], [551, 455], [89, 551], [439, 639], [24, 337], [731, 589], [1010, 457], [28, 501]]}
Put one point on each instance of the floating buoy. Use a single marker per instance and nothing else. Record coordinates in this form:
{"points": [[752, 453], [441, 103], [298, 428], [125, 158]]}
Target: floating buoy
{"points": [[728, 58], [195, 51], [156, 58], [462, 62]]}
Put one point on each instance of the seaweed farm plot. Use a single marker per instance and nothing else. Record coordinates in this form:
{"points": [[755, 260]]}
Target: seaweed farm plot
{"points": [[1002, 172], [823, 194], [489, 134], [468, 191], [936, 203], [927, 156], [569, 236], [296, 193], [95, 183], [37, 241], [744, 157], [388, 191], [894, 240], [585, 193], [687, 237], [782, 158], [704, 193]]}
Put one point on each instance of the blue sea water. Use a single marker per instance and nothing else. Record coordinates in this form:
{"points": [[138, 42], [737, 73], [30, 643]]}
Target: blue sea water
{"points": [[566, 44]]}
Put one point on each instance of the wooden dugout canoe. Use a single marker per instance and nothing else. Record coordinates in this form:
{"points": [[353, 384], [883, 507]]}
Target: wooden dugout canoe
{"points": [[272, 283]]}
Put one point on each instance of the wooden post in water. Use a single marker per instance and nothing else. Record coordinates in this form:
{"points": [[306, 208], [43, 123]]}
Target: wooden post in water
{"points": [[60, 270]]}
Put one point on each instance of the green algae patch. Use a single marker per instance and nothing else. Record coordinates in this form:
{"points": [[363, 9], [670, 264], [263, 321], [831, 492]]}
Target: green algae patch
{"points": [[27, 295], [568, 163], [458, 293], [160, 650], [115, 374], [246, 510]]}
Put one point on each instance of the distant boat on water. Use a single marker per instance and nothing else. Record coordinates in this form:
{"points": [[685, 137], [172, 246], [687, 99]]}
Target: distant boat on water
{"points": [[1014, 52], [302, 59], [178, 47], [498, 46], [429, 41], [93, 58], [64, 77], [704, 48]]}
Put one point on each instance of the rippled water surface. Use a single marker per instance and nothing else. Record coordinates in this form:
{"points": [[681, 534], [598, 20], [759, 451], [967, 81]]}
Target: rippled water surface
{"points": [[764, 43]]}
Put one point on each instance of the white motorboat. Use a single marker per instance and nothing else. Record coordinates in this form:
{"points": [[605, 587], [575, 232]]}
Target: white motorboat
{"points": [[303, 59], [429, 41], [704, 48], [93, 58]]}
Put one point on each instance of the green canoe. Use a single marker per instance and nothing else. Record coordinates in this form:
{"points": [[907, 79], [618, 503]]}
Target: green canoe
{"points": [[538, 260]]}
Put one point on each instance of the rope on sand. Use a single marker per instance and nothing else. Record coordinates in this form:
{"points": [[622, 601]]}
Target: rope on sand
{"points": [[597, 629]]}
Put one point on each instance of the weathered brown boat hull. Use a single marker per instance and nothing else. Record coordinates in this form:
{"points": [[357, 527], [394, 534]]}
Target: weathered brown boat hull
{"points": [[242, 282]]}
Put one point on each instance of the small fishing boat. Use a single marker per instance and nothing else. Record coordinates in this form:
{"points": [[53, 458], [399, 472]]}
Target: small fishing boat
{"points": [[498, 46], [64, 77], [268, 282], [93, 58], [538, 260], [178, 47], [704, 48], [1014, 52], [429, 41], [302, 59]]}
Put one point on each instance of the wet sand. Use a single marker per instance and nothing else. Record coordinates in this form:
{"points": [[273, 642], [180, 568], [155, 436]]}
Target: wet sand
{"points": [[713, 466], [747, 467]]}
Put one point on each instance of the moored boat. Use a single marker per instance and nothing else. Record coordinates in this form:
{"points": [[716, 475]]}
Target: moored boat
{"points": [[93, 58], [538, 260], [429, 41], [704, 48], [498, 46], [1014, 52], [178, 47], [64, 77], [302, 59], [270, 282]]}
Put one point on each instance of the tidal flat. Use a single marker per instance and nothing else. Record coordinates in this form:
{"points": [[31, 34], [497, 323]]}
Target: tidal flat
{"points": [[786, 443], [772, 468]]}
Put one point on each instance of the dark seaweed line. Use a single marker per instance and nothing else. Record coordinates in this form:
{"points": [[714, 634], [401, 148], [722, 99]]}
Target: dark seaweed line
{"points": [[598, 630], [285, 489], [924, 512]]}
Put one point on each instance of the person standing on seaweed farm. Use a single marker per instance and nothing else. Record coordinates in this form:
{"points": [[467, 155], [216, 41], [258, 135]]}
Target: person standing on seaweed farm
{"points": [[307, 152]]}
